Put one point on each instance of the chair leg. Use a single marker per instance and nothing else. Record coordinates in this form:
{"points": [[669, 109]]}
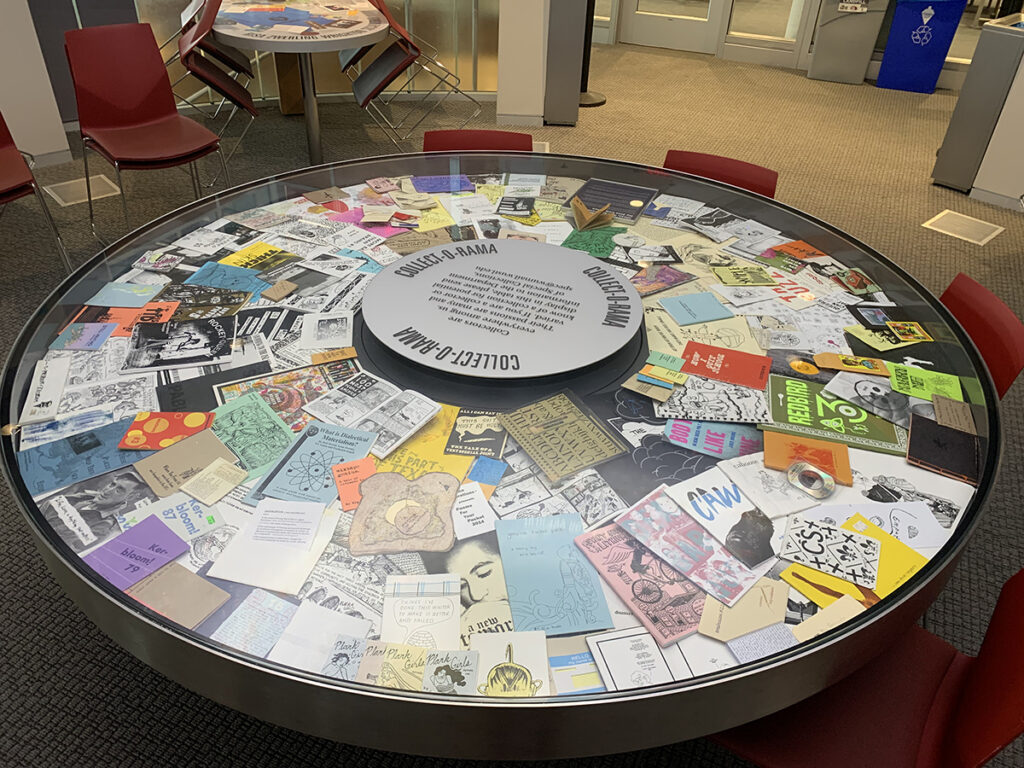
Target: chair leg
{"points": [[231, 154], [223, 166], [88, 194], [53, 227], [195, 179], [124, 200]]}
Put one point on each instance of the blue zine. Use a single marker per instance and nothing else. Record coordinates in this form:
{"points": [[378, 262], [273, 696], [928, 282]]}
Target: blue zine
{"points": [[551, 585], [124, 295], [217, 275], [78, 457], [695, 308], [443, 184], [304, 472]]}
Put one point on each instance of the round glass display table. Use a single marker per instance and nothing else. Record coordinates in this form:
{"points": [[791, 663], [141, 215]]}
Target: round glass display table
{"points": [[486, 351]]}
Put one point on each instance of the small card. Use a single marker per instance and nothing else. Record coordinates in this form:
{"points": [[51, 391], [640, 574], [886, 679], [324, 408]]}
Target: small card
{"points": [[782, 450], [476, 433], [830, 617], [167, 469], [659, 278], [180, 595], [653, 391], [851, 363], [256, 624], [743, 274], [800, 250], [451, 672], [774, 638], [712, 438], [333, 356], [285, 523], [347, 476], [154, 430], [945, 450], [84, 336], [918, 382], [328, 330], [423, 611], [512, 664], [764, 604], [321, 196], [665, 360], [833, 551], [157, 261], [471, 514], [728, 365], [695, 308], [344, 658], [908, 331], [215, 482], [279, 290], [882, 339], [135, 554], [665, 374], [955, 414], [641, 377]]}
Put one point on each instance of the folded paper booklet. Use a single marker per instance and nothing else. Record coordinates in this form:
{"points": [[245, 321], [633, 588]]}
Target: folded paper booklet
{"points": [[586, 219], [167, 469], [666, 528], [551, 586], [666, 603], [631, 658], [625, 201], [562, 435], [782, 450], [728, 365], [945, 450], [833, 551], [422, 610]]}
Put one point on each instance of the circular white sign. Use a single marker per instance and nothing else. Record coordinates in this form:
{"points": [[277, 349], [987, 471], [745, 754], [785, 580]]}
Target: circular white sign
{"points": [[502, 309]]}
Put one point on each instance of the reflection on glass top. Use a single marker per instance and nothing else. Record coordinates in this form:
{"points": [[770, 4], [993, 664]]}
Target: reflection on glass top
{"points": [[220, 437]]}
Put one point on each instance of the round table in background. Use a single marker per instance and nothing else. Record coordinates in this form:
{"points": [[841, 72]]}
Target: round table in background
{"points": [[304, 28], [471, 726]]}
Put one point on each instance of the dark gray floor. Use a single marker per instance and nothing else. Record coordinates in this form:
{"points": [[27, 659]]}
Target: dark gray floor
{"points": [[856, 156]]}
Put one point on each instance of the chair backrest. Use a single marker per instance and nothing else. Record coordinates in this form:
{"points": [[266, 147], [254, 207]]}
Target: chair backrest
{"points": [[993, 327], [453, 141], [6, 140], [990, 712], [194, 35], [383, 71], [208, 73], [398, 29], [755, 178], [352, 56], [119, 77]]}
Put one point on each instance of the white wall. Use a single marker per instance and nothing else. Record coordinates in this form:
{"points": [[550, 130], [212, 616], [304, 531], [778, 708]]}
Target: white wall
{"points": [[26, 98], [522, 61]]}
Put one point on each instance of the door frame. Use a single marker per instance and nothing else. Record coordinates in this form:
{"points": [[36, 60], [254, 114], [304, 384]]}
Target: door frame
{"points": [[709, 32]]}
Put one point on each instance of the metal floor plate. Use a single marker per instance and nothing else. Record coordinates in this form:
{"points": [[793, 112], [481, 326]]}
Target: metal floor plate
{"points": [[963, 227], [73, 192]]}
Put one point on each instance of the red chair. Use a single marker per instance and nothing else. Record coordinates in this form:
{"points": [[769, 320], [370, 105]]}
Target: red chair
{"points": [[455, 141], [993, 327], [208, 73], [126, 111], [755, 178], [405, 55], [16, 180], [921, 704]]}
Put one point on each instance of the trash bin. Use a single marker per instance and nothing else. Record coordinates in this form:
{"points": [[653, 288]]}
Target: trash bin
{"points": [[919, 39], [845, 39]]}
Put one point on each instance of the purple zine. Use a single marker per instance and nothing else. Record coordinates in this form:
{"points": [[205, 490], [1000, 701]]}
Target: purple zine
{"points": [[136, 553], [436, 185]]}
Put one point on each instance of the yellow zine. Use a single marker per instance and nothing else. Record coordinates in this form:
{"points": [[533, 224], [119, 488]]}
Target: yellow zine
{"points": [[896, 561]]}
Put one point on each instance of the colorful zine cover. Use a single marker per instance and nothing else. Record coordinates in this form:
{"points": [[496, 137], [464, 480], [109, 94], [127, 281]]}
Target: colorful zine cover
{"points": [[153, 430], [253, 432], [675, 537], [729, 365], [303, 473], [216, 275], [666, 603], [124, 295], [550, 585], [74, 458], [713, 438], [83, 336], [804, 408], [162, 346], [782, 450], [136, 553]]}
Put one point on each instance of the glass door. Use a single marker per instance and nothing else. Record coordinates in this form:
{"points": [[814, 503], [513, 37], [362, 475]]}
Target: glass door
{"points": [[685, 25]]}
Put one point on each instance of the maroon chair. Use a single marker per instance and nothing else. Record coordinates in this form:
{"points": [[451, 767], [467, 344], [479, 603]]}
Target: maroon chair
{"points": [[126, 111], [920, 704], [455, 141], [755, 178], [208, 73], [993, 327], [16, 180]]}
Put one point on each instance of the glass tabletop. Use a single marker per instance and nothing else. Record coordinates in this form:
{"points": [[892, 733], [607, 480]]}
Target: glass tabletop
{"points": [[582, 556]]}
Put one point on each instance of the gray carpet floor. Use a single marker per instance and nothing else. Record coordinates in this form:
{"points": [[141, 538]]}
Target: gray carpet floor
{"points": [[856, 156]]}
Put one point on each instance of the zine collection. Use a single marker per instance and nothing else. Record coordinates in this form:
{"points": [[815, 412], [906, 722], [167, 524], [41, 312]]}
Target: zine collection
{"points": [[203, 434]]}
